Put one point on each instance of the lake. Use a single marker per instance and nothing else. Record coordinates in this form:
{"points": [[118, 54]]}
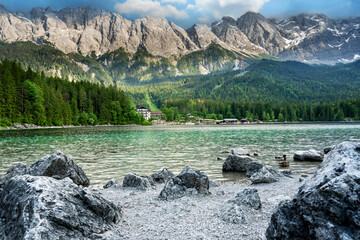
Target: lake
{"points": [[112, 152]]}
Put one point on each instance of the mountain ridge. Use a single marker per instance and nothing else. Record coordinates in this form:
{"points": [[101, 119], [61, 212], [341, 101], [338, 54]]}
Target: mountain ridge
{"points": [[312, 38]]}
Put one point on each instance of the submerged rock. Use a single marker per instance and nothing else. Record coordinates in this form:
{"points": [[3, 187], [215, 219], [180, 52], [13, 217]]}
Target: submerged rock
{"points": [[239, 210], [240, 151], [57, 166], [311, 155], [237, 163], [188, 179], [136, 181], [327, 205], [266, 174], [45, 208], [162, 175]]}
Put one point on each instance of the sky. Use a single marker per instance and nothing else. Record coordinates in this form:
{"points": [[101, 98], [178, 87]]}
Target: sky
{"points": [[187, 12]]}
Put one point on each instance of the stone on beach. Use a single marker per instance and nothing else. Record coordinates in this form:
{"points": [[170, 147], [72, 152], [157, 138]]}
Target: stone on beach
{"points": [[239, 209], [162, 175], [237, 163], [112, 183], [252, 167], [135, 181], [38, 207], [266, 174], [327, 204], [188, 179], [311, 155], [57, 166], [328, 149]]}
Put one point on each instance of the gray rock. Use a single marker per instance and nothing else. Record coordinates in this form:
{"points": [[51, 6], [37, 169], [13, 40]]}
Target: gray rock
{"points": [[266, 174], [252, 167], [240, 151], [136, 181], [172, 189], [15, 170], [236, 163], [248, 198], [287, 173], [188, 179], [45, 208], [212, 184], [311, 155], [57, 166], [240, 209], [328, 149], [256, 154], [112, 183], [194, 179], [327, 204], [162, 175]]}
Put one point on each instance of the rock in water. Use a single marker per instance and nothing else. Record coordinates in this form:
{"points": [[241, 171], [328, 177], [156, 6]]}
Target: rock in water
{"points": [[182, 184], [136, 181], [252, 167], [236, 163], [162, 175], [45, 208], [57, 166], [240, 151], [327, 205], [311, 155]]}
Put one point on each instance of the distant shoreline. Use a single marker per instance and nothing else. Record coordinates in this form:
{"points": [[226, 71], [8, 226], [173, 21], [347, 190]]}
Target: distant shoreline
{"points": [[33, 127]]}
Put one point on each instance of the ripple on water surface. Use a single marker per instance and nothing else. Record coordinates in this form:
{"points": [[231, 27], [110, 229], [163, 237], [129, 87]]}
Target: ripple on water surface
{"points": [[112, 152]]}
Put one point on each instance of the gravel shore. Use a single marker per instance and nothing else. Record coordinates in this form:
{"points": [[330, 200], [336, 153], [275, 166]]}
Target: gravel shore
{"points": [[196, 216]]}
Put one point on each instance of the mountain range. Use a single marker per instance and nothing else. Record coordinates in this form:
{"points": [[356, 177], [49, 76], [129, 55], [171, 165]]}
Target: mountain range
{"points": [[103, 45]]}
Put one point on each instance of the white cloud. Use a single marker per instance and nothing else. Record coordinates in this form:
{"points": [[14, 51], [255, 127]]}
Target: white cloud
{"points": [[174, 1], [148, 7], [216, 9]]}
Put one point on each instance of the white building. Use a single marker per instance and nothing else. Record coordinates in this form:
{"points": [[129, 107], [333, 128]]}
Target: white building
{"points": [[145, 112]]}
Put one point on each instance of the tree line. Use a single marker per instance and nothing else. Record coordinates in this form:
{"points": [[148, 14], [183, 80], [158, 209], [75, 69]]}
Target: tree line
{"points": [[212, 109], [31, 97]]}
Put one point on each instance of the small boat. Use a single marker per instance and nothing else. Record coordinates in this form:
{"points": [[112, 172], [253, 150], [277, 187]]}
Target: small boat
{"points": [[284, 164]]}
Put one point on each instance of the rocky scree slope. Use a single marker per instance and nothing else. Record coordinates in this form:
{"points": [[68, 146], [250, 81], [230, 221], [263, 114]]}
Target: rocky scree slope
{"points": [[306, 37]]}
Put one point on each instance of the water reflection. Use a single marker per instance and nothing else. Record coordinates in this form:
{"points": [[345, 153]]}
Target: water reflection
{"points": [[112, 152]]}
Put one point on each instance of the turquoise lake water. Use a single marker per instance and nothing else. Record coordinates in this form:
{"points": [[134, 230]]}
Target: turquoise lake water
{"points": [[112, 152]]}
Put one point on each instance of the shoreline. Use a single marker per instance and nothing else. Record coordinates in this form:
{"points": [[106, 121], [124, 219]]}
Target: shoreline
{"points": [[34, 127]]}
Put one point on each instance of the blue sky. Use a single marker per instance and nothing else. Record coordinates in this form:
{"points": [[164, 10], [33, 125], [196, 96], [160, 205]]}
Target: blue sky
{"points": [[187, 12]]}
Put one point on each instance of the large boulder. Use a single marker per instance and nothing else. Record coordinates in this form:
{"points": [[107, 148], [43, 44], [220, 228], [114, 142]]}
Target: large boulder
{"points": [[252, 167], [45, 208], [266, 174], [235, 163], [135, 181], [311, 155], [327, 204], [240, 209], [57, 166], [182, 184], [162, 175]]}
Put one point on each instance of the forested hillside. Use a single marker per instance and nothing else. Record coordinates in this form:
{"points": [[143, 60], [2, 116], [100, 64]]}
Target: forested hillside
{"points": [[31, 97], [265, 81], [210, 109]]}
